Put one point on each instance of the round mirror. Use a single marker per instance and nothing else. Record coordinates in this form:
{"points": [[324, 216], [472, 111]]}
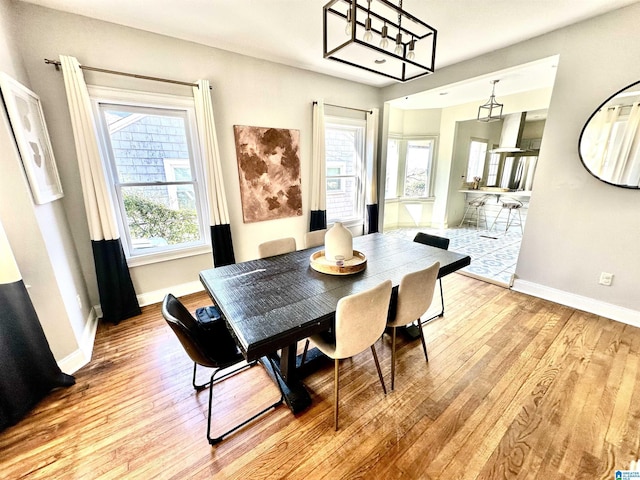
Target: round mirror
{"points": [[610, 141]]}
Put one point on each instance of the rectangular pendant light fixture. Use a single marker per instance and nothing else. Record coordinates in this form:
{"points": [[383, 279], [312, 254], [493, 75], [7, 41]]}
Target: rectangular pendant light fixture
{"points": [[380, 37]]}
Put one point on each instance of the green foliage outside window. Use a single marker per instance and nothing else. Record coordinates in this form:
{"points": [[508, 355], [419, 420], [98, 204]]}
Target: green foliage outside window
{"points": [[148, 220]]}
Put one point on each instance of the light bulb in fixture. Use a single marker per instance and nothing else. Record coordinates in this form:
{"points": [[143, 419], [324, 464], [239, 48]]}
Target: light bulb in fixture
{"points": [[398, 50], [384, 42], [368, 36], [412, 46], [349, 26]]}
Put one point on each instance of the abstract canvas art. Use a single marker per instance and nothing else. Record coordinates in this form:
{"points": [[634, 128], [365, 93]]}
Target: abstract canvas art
{"points": [[269, 171], [32, 138]]}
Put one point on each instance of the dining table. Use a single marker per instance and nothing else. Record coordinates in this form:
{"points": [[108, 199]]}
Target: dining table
{"points": [[270, 304]]}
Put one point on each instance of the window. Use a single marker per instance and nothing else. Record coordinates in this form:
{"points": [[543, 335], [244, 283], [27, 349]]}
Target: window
{"points": [[393, 157], [151, 152], [344, 153], [492, 171], [417, 178], [409, 167], [477, 156]]}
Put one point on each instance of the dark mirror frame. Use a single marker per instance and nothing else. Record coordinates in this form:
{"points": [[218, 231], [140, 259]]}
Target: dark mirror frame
{"points": [[584, 164]]}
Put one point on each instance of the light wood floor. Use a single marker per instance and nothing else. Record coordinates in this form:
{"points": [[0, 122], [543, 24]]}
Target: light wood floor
{"points": [[515, 387]]}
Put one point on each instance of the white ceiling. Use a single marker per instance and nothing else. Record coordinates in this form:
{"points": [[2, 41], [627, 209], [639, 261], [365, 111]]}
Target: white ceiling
{"points": [[290, 31]]}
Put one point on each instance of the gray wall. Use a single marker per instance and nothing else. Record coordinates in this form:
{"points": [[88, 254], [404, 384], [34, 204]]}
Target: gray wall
{"points": [[50, 268], [247, 91], [577, 226]]}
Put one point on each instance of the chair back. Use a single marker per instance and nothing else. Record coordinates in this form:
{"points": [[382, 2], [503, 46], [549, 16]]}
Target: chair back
{"points": [[277, 247], [210, 347], [432, 240], [315, 238], [360, 320], [415, 294]]}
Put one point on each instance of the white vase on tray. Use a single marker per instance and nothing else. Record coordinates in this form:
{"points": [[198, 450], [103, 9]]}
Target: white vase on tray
{"points": [[338, 242]]}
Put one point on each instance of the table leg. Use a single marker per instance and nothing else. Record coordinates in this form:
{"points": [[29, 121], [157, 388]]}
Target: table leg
{"points": [[288, 362], [283, 371]]}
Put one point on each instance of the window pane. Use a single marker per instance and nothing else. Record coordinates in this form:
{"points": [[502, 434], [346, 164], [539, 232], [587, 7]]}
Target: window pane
{"points": [[141, 143], [341, 198], [492, 173], [344, 150], [419, 154], [391, 181], [154, 176], [477, 155], [162, 215]]}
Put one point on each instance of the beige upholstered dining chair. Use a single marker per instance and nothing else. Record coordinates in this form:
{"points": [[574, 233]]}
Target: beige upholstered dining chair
{"points": [[360, 322], [415, 294], [277, 247], [315, 238]]}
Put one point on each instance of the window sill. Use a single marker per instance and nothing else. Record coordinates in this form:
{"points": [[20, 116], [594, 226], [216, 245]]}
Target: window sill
{"points": [[140, 260]]}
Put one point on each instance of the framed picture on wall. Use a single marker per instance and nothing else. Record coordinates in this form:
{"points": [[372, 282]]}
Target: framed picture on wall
{"points": [[30, 131]]}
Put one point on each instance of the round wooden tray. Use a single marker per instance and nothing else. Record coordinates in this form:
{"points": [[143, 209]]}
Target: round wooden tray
{"points": [[354, 265]]}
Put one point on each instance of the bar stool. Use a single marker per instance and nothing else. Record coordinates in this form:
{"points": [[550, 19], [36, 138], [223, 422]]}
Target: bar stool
{"points": [[476, 207], [511, 205]]}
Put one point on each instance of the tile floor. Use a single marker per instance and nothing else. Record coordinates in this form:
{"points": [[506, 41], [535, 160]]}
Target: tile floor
{"points": [[493, 254]]}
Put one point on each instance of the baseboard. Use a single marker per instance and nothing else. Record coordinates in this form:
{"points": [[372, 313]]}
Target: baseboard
{"points": [[156, 296], [608, 310], [82, 356]]}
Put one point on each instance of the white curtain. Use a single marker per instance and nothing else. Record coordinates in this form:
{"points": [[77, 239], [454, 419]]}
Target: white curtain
{"points": [[628, 172], [371, 186], [218, 211], [318, 170], [117, 296], [221, 242], [97, 200]]}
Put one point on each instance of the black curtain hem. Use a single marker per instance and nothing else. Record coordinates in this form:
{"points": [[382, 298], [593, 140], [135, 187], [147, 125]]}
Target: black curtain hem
{"points": [[318, 220], [222, 245], [117, 295]]}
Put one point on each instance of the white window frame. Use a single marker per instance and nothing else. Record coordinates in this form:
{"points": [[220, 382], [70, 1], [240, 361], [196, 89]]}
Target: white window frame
{"points": [[403, 147], [481, 163], [113, 96], [429, 184], [358, 176]]}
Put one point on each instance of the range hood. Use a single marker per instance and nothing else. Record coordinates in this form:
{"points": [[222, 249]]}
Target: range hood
{"points": [[512, 127]]}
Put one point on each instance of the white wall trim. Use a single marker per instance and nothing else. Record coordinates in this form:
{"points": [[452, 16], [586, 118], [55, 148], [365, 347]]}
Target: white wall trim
{"points": [[82, 356], [608, 310], [157, 296]]}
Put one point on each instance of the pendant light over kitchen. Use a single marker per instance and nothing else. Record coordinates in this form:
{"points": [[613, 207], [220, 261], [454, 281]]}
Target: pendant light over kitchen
{"points": [[492, 110]]}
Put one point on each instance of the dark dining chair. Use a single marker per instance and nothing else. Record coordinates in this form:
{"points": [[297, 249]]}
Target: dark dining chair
{"points": [[210, 346], [438, 242], [412, 303]]}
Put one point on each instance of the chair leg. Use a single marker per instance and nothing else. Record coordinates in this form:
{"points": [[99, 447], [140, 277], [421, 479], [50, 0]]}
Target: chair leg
{"points": [[212, 382], [375, 359], [304, 352], [495, 220], [335, 393], [441, 297], [424, 343], [193, 380], [393, 356], [464, 216]]}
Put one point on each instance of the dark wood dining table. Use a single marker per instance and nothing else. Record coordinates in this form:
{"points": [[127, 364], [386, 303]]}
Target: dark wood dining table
{"points": [[270, 304]]}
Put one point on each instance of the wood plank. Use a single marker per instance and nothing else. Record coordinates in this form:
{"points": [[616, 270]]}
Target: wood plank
{"points": [[507, 392]]}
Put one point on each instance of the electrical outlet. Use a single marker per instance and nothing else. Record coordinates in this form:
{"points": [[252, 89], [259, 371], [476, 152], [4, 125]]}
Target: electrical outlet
{"points": [[605, 279]]}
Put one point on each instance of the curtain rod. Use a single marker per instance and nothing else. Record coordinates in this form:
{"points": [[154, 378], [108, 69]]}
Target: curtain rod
{"points": [[124, 74], [348, 108]]}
